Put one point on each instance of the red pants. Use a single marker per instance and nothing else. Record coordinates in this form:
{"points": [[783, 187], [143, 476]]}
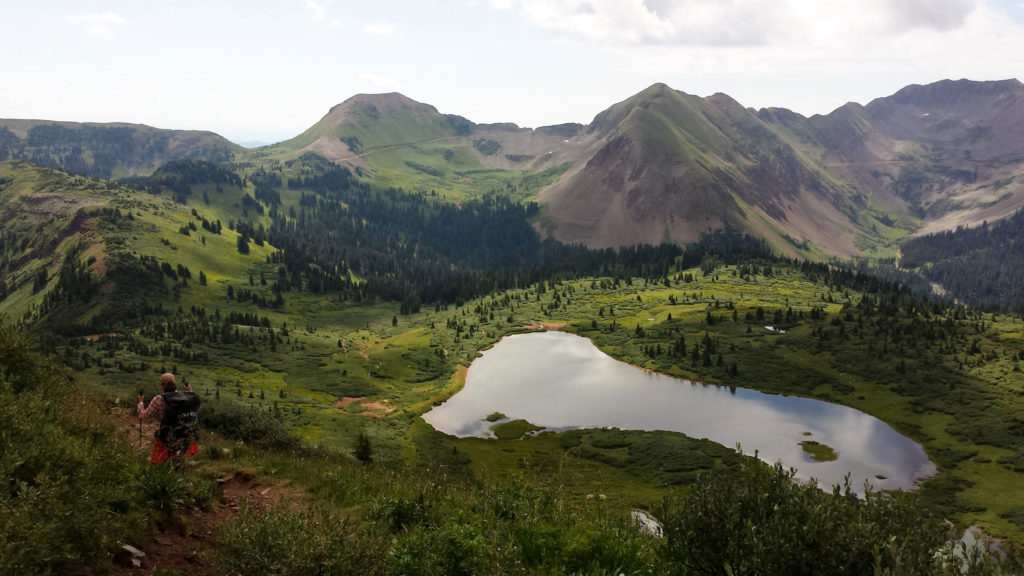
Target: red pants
{"points": [[161, 453]]}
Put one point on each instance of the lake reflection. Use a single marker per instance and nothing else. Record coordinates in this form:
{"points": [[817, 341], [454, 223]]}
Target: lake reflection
{"points": [[562, 381]]}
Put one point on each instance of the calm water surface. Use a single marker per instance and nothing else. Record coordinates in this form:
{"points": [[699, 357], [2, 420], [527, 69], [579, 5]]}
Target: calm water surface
{"points": [[562, 381]]}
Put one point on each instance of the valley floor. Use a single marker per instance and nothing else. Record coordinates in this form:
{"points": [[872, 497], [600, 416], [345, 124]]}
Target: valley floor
{"points": [[914, 370]]}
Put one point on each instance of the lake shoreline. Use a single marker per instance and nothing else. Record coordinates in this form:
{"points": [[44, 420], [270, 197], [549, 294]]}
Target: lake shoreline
{"points": [[561, 380]]}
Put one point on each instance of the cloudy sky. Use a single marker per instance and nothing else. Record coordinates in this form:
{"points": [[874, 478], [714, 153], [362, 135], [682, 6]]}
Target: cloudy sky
{"points": [[266, 70]]}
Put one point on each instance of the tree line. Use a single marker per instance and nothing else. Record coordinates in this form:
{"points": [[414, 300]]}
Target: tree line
{"points": [[981, 266]]}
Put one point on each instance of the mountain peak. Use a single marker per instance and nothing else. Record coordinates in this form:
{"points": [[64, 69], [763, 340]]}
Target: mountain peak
{"points": [[373, 120], [947, 92], [656, 89], [383, 101]]}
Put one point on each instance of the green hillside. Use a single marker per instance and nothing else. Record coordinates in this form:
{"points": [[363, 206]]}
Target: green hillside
{"points": [[82, 499], [322, 294], [393, 141], [660, 165], [373, 121], [108, 150], [371, 304]]}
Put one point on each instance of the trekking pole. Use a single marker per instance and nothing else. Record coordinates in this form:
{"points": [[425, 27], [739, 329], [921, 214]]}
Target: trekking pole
{"points": [[140, 422]]}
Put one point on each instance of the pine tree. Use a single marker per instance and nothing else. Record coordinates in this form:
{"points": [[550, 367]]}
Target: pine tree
{"points": [[363, 450]]}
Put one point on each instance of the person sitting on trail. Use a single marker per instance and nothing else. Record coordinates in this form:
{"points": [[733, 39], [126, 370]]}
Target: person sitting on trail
{"points": [[178, 412]]}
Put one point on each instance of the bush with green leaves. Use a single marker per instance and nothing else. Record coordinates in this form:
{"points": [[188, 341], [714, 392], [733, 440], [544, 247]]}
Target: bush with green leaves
{"points": [[72, 490], [247, 424], [62, 499], [455, 549], [167, 490], [362, 449], [521, 527], [762, 521], [313, 541]]}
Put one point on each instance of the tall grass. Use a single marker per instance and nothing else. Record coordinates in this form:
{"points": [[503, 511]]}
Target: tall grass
{"points": [[318, 540], [755, 520], [72, 493]]}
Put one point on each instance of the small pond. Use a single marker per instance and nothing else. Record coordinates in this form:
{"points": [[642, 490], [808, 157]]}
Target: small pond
{"points": [[562, 381]]}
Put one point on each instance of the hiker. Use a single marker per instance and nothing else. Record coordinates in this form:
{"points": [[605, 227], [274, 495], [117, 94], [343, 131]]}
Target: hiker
{"points": [[178, 412]]}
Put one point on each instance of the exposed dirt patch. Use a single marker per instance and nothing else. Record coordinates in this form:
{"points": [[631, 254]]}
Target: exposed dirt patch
{"points": [[376, 408], [545, 326], [96, 337], [346, 400], [99, 265], [56, 203], [338, 152], [79, 224]]}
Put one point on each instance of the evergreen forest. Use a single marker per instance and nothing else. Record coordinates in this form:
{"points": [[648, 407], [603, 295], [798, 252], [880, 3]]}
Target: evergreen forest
{"points": [[319, 315]]}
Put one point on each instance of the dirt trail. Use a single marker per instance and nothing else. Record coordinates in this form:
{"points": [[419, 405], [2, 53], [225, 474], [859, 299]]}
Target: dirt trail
{"points": [[339, 153], [393, 146], [184, 545]]}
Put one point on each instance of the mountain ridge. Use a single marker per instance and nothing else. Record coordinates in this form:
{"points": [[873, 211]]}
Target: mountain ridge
{"points": [[660, 165], [666, 165], [108, 149]]}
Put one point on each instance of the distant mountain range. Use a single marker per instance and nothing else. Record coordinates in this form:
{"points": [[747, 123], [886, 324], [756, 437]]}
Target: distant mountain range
{"points": [[662, 165], [111, 150]]}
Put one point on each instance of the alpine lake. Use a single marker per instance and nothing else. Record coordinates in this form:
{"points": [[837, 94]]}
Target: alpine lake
{"points": [[561, 381]]}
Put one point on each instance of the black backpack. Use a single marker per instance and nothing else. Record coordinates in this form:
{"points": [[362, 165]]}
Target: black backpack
{"points": [[179, 426]]}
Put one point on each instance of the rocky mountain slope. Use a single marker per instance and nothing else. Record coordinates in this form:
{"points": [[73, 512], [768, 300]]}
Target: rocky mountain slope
{"points": [[673, 166], [666, 165], [949, 151], [661, 165]]}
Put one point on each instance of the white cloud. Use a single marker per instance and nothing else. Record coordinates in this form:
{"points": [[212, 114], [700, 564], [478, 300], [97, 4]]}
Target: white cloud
{"points": [[319, 9], [369, 82], [96, 24], [600, 21], [820, 62], [944, 15], [735, 22], [379, 28]]}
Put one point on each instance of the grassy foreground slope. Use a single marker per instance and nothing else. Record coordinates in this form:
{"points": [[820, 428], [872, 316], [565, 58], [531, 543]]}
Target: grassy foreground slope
{"points": [[124, 285], [77, 493], [947, 378]]}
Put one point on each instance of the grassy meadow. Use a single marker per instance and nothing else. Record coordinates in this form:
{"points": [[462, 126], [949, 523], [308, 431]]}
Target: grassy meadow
{"points": [[290, 385], [329, 371]]}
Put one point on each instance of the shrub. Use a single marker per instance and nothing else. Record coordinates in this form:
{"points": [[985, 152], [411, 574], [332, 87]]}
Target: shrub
{"points": [[760, 521], [583, 547], [164, 489], [363, 451], [313, 541], [487, 147], [246, 424], [453, 549], [399, 514], [22, 366], [62, 497]]}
